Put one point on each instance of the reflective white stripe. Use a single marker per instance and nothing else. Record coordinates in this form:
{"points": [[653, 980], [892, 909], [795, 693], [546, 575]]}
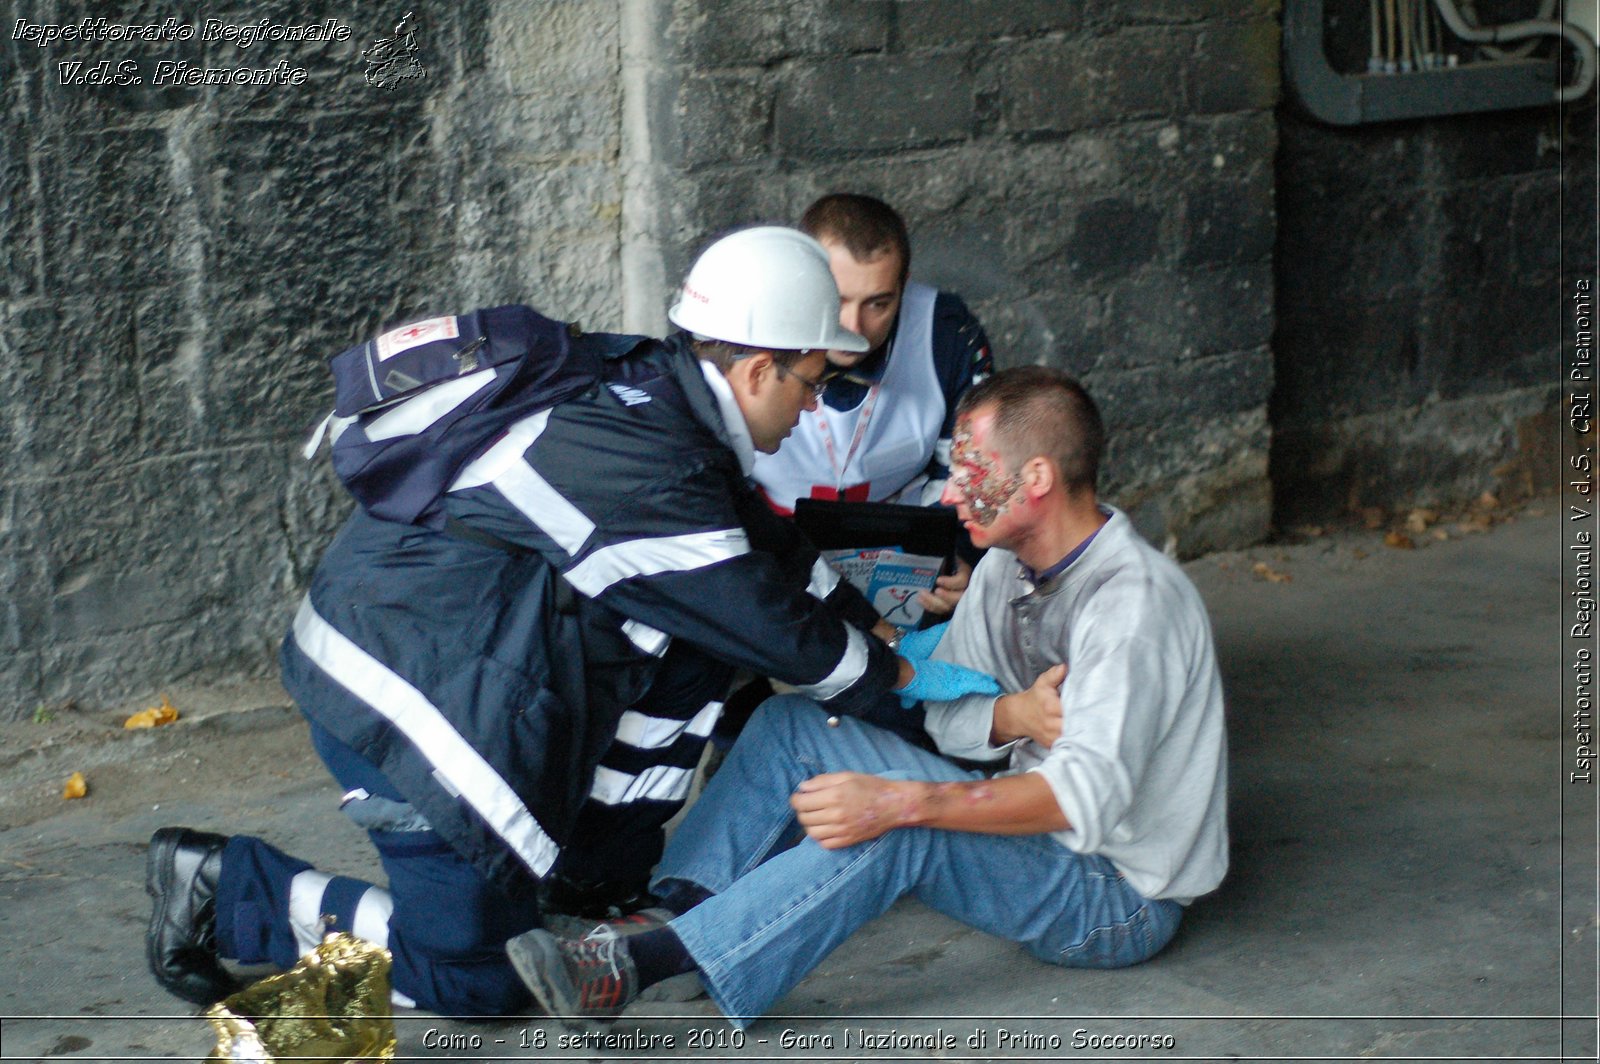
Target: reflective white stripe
{"points": [[397, 998], [852, 665], [652, 733], [659, 783], [547, 508], [504, 466], [332, 423], [305, 908], [824, 578], [411, 416], [309, 451], [510, 447], [652, 641], [371, 921], [421, 722], [662, 554]]}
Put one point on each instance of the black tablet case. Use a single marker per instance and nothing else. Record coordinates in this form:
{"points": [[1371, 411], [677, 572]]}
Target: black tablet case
{"points": [[833, 525]]}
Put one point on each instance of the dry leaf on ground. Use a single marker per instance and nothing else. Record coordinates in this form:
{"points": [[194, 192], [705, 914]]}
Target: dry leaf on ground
{"points": [[165, 713], [1268, 573]]}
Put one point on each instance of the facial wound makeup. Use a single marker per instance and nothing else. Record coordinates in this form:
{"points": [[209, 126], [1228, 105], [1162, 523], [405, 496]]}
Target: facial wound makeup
{"points": [[980, 478]]}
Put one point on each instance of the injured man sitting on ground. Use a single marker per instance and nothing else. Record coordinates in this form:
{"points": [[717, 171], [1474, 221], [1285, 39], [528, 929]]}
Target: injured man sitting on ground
{"points": [[1110, 816]]}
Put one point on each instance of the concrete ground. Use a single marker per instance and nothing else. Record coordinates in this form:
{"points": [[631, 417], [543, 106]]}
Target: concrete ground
{"points": [[1399, 862]]}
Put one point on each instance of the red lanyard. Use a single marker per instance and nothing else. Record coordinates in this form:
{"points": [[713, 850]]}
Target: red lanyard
{"points": [[855, 442]]}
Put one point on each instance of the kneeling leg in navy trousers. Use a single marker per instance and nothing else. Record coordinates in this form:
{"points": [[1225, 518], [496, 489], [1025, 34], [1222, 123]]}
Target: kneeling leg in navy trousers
{"points": [[445, 925]]}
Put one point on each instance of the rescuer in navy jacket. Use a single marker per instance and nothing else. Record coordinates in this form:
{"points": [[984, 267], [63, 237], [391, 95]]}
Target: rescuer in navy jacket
{"points": [[516, 686]]}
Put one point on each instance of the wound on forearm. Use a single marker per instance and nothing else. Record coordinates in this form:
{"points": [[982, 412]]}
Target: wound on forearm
{"points": [[898, 806], [946, 798]]}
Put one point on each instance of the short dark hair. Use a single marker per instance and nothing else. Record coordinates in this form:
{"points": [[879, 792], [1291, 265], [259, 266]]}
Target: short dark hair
{"points": [[1042, 411], [722, 354], [865, 225]]}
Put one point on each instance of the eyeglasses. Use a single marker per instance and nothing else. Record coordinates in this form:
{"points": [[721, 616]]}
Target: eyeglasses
{"points": [[817, 388]]}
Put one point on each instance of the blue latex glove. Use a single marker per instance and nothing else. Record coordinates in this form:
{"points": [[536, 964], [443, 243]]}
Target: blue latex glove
{"points": [[941, 681], [918, 646]]}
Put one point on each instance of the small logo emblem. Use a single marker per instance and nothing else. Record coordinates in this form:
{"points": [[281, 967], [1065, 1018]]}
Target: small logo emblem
{"points": [[629, 396], [392, 60]]}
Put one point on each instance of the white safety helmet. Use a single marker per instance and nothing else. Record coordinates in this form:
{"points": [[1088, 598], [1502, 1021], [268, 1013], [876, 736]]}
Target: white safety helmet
{"points": [[765, 287]]}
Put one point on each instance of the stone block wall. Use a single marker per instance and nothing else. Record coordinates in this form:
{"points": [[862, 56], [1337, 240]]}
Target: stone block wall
{"points": [[1419, 278], [177, 262], [1094, 177]]}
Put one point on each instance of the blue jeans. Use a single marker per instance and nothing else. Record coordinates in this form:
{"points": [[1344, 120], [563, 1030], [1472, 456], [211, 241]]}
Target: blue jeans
{"points": [[778, 909]]}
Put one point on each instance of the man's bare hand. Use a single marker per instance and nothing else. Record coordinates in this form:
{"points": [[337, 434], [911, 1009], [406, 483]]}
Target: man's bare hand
{"points": [[1034, 714], [947, 590], [840, 809]]}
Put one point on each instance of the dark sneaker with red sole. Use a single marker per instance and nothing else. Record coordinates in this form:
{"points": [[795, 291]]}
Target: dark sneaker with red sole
{"points": [[684, 987], [583, 982]]}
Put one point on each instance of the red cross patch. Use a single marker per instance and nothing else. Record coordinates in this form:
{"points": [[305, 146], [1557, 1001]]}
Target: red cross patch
{"points": [[416, 334]]}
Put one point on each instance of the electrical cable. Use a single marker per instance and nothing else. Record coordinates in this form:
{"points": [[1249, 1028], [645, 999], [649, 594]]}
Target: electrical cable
{"points": [[1516, 31], [1469, 15], [1375, 56], [1446, 57], [1430, 44], [1403, 16], [1389, 64]]}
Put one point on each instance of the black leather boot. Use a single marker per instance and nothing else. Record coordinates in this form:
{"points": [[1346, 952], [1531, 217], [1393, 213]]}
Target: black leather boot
{"points": [[181, 874]]}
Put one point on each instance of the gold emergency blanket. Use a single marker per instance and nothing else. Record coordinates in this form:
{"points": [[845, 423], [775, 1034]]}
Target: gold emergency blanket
{"points": [[332, 1006]]}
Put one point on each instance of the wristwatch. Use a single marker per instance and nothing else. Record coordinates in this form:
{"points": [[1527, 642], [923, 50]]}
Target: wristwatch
{"points": [[893, 642]]}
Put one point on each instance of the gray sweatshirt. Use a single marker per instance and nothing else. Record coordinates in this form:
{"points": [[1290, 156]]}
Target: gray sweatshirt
{"points": [[1140, 769]]}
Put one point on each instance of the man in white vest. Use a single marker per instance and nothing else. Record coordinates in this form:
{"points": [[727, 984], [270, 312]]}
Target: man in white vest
{"points": [[881, 432]]}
